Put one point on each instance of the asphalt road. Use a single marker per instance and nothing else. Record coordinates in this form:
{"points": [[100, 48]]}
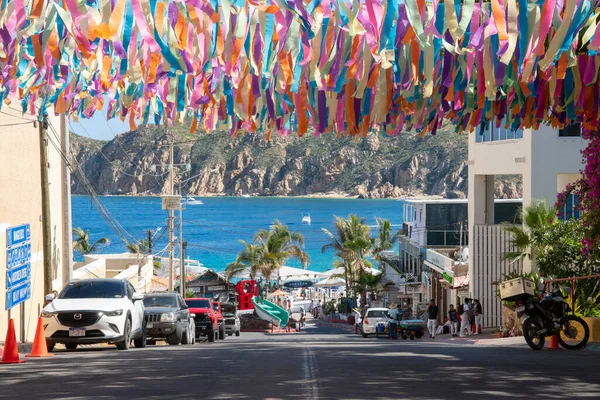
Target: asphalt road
{"points": [[318, 363]]}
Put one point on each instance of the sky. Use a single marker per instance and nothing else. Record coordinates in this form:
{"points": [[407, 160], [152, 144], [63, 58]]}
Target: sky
{"points": [[98, 127]]}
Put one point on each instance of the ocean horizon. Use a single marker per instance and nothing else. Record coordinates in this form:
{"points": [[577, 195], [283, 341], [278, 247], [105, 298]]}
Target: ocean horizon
{"points": [[213, 229]]}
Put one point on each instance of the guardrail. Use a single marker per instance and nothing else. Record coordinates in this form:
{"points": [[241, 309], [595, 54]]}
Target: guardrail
{"points": [[572, 283]]}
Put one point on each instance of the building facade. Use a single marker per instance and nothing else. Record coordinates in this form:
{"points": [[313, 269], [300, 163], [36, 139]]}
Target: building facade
{"points": [[21, 203], [547, 160]]}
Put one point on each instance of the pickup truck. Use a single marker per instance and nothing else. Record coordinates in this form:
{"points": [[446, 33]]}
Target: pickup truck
{"points": [[206, 319], [219, 313]]}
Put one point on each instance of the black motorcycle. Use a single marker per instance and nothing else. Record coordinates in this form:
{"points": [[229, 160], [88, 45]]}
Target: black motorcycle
{"points": [[548, 317]]}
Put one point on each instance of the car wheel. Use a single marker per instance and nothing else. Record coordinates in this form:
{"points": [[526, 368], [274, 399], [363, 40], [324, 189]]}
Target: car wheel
{"points": [[237, 333], [212, 335], [49, 346], [175, 338], [71, 346], [124, 344], [222, 332], [141, 342]]}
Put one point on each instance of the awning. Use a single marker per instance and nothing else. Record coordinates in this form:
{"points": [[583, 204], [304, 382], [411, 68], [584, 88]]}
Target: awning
{"points": [[461, 281]]}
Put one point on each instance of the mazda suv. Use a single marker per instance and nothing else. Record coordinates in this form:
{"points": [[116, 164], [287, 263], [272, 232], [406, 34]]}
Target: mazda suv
{"points": [[91, 311]]}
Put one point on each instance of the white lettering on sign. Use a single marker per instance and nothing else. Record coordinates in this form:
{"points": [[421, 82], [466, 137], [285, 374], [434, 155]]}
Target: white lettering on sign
{"points": [[18, 235]]}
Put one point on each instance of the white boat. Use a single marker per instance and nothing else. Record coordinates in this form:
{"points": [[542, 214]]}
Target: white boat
{"points": [[306, 219], [191, 201], [245, 195]]}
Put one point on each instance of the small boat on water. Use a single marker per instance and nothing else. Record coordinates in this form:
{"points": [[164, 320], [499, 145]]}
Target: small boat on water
{"points": [[306, 219], [191, 201], [245, 195]]}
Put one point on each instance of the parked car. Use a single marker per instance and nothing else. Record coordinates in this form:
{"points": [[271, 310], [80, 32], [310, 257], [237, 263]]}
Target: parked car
{"points": [[206, 320], [232, 321], [218, 312], [93, 311], [373, 316], [168, 317]]}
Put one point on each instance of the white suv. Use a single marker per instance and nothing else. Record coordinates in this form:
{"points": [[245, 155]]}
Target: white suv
{"points": [[95, 311]]}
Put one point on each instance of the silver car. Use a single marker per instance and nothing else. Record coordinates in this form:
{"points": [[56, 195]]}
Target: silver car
{"points": [[232, 321]]}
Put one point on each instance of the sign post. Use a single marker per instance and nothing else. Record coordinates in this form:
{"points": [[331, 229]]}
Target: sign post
{"points": [[18, 269]]}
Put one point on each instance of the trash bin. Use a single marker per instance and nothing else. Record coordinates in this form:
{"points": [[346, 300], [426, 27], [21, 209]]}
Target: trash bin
{"points": [[381, 327]]}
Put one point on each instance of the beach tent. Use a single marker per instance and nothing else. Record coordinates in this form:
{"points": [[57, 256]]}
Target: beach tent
{"points": [[340, 271], [330, 282]]}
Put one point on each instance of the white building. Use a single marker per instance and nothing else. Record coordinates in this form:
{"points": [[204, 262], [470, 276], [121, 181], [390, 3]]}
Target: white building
{"points": [[21, 203], [547, 160]]}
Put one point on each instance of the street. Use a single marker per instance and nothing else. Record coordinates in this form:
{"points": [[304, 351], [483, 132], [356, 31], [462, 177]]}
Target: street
{"points": [[318, 362]]}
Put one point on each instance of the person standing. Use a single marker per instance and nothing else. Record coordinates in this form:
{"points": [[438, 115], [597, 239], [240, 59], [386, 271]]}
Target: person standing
{"points": [[464, 318], [432, 315], [453, 318], [478, 314], [393, 322]]}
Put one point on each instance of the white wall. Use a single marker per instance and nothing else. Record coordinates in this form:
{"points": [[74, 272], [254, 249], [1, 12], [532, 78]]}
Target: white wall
{"points": [[20, 202]]}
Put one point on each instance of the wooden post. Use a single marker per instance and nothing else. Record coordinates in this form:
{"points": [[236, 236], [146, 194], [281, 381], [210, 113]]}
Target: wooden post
{"points": [[46, 221]]}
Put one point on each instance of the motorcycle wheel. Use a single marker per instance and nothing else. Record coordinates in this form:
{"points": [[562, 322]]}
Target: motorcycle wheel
{"points": [[575, 333], [534, 341]]}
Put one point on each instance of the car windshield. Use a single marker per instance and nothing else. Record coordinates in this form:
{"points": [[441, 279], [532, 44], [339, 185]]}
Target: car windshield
{"points": [[197, 303], [160, 301], [228, 314], [93, 290], [376, 314]]}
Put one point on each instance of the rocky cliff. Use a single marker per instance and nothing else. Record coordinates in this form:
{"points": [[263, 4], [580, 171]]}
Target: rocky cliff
{"points": [[217, 164]]}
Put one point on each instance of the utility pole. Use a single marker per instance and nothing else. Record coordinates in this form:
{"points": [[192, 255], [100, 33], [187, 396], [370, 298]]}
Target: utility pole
{"points": [[46, 222], [171, 213], [181, 251], [67, 239], [149, 241]]}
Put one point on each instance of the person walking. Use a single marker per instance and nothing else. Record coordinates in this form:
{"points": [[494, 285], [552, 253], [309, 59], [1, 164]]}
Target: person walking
{"points": [[453, 318], [463, 311], [477, 310], [393, 322], [432, 315]]}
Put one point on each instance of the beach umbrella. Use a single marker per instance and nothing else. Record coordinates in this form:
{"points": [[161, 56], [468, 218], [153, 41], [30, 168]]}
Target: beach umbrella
{"points": [[278, 292], [330, 282]]}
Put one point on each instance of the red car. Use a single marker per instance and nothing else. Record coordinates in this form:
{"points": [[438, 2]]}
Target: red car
{"points": [[206, 319], [219, 313]]}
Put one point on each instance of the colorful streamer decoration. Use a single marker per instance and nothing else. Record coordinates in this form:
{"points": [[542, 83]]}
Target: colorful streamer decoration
{"points": [[294, 66]]}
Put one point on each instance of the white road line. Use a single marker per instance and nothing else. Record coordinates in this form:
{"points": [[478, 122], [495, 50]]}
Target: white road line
{"points": [[311, 375]]}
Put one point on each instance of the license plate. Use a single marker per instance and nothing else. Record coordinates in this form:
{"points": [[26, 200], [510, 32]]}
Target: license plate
{"points": [[520, 309], [149, 325], [77, 332]]}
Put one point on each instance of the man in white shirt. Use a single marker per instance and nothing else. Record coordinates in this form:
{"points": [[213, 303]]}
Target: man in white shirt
{"points": [[464, 319]]}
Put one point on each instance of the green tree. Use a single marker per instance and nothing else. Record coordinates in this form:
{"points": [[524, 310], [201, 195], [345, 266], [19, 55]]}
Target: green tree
{"points": [[278, 244], [368, 282], [82, 244], [528, 238], [248, 260], [384, 241], [352, 244]]}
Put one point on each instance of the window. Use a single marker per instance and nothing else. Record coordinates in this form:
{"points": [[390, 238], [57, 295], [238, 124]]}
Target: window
{"points": [[491, 133], [198, 303], [572, 130], [160, 301], [571, 208], [93, 290], [376, 314]]}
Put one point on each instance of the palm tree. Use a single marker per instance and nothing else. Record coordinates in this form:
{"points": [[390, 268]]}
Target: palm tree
{"points": [[368, 282], [82, 244], [352, 244], [384, 241], [278, 244], [248, 260], [537, 219]]}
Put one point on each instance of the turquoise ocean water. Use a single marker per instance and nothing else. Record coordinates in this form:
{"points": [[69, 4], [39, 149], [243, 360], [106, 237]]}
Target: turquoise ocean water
{"points": [[213, 229]]}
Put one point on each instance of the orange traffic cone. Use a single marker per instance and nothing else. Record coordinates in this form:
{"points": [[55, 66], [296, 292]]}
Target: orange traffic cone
{"points": [[11, 350], [553, 343], [39, 349]]}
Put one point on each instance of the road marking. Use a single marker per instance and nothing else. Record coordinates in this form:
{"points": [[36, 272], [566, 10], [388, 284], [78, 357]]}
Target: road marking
{"points": [[309, 367]]}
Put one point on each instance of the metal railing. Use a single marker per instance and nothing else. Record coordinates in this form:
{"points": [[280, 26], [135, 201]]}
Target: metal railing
{"points": [[572, 284]]}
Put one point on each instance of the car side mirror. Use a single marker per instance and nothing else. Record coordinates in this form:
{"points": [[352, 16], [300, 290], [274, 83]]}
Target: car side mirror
{"points": [[50, 297], [137, 296], [192, 315]]}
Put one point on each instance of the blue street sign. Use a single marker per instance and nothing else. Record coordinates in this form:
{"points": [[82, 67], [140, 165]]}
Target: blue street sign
{"points": [[17, 235], [16, 276], [18, 294], [18, 255]]}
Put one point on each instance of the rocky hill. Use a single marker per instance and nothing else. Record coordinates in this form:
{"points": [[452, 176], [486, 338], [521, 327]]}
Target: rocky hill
{"points": [[374, 167]]}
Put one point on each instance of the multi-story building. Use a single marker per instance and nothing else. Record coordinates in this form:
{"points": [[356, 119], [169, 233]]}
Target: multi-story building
{"points": [[21, 203], [547, 160]]}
